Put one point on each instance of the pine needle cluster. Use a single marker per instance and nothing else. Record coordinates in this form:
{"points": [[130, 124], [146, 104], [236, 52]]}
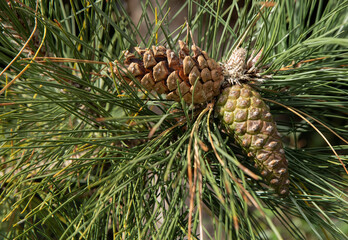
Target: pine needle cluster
{"points": [[85, 155]]}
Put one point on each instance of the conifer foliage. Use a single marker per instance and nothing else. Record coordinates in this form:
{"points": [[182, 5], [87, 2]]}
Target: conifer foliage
{"points": [[219, 120]]}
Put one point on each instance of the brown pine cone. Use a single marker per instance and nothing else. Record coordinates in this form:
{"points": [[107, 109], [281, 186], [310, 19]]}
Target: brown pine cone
{"points": [[198, 76]]}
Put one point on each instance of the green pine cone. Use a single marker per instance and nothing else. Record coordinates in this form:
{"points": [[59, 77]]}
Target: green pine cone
{"points": [[248, 118]]}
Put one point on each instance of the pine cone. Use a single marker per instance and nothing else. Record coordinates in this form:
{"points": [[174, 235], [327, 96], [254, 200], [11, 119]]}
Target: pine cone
{"points": [[197, 75], [248, 118]]}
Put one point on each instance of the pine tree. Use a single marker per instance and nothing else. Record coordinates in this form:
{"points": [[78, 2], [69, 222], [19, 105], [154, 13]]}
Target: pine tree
{"points": [[91, 151]]}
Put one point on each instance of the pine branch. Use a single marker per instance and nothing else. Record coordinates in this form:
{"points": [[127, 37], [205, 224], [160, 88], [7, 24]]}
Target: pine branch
{"points": [[85, 155]]}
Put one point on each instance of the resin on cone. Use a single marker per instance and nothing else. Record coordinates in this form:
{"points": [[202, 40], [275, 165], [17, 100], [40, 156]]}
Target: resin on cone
{"points": [[193, 75]]}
